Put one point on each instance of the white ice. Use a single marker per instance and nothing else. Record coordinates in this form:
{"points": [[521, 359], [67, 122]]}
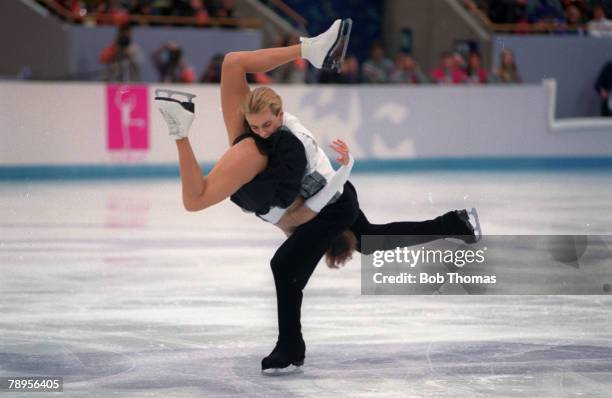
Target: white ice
{"points": [[116, 288]]}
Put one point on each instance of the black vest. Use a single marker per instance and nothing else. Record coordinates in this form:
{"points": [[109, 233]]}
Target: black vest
{"points": [[278, 185]]}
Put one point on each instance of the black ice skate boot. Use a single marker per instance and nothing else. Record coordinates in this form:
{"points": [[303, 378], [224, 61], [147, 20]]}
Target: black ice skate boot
{"points": [[283, 356], [464, 229]]}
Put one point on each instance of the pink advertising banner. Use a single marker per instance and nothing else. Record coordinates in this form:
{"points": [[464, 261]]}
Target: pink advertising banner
{"points": [[128, 117]]}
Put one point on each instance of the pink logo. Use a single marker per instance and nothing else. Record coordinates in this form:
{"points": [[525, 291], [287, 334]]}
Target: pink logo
{"points": [[128, 117]]}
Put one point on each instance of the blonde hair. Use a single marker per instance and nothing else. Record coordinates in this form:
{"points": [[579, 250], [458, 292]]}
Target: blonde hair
{"points": [[260, 99]]}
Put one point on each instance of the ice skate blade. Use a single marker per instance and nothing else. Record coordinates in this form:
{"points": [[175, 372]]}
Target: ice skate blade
{"points": [[477, 227], [169, 93], [335, 56], [462, 239], [295, 368], [160, 99]]}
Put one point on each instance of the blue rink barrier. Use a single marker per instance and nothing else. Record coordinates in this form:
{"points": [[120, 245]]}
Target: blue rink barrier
{"points": [[480, 164]]}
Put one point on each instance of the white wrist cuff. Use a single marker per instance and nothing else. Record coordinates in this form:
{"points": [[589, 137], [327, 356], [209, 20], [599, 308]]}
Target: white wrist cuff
{"points": [[318, 201]]}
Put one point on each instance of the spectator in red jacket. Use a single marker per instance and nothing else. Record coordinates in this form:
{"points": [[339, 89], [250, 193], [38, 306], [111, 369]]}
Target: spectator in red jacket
{"points": [[475, 72], [448, 71]]}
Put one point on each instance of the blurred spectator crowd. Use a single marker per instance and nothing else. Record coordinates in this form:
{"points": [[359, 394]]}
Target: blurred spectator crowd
{"points": [[568, 16], [123, 58], [453, 68], [117, 11]]}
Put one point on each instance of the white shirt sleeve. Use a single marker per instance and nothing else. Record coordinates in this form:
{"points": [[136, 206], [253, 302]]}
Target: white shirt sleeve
{"points": [[318, 201], [274, 215]]}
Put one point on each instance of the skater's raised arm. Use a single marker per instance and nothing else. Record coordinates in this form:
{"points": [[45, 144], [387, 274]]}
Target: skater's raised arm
{"points": [[238, 165], [234, 87]]}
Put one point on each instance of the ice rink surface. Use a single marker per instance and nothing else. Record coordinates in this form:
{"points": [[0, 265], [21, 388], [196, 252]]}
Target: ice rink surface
{"points": [[112, 285]]}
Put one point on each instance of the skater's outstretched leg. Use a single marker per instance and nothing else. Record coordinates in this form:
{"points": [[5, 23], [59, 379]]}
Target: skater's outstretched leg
{"points": [[453, 224]]}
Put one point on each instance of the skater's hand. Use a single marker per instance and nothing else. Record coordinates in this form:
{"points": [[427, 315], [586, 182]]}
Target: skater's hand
{"points": [[604, 94], [342, 149]]}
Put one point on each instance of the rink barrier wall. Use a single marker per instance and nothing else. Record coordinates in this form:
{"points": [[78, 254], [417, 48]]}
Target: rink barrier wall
{"points": [[93, 128], [484, 165]]}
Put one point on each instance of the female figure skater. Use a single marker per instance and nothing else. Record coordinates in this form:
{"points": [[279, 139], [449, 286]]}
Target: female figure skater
{"points": [[275, 169]]}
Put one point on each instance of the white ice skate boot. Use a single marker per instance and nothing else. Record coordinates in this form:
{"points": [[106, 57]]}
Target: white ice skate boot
{"points": [[328, 49], [178, 114]]}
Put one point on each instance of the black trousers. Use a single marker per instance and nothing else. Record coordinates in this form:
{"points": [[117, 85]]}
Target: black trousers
{"points": [[404, 233], [296, 259]]}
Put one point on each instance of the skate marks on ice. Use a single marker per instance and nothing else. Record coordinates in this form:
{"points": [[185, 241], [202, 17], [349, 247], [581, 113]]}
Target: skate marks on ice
{"points": [[469, 368], [54, 359], [465, 368], [155, 372]]}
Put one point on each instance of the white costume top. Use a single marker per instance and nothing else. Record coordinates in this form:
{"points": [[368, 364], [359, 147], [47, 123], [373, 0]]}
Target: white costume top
{"points": [[321, 183], [317, 160]]}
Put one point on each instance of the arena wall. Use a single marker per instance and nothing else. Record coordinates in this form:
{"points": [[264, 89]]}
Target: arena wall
{"points": [[52, 124]]}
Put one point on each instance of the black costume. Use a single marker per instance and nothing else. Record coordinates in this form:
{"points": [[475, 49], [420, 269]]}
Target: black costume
{"points": [[280, 182], [295, 260]]}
